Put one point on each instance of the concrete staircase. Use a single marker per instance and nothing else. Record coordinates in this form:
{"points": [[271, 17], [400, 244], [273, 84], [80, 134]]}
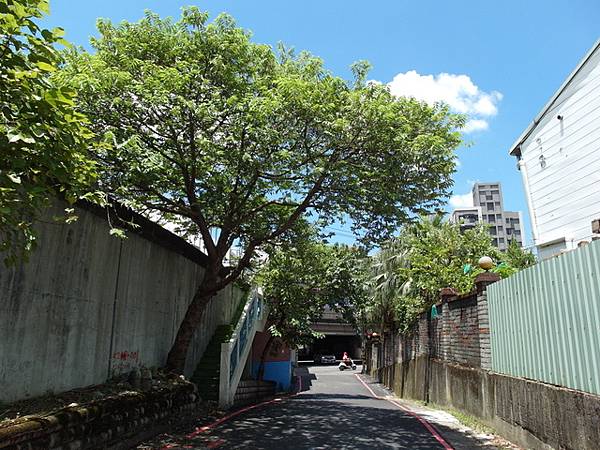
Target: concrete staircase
{"points": [[207, 373], [235, 352], [220, 370]]}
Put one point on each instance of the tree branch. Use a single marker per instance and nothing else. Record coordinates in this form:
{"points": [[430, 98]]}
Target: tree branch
{"points": [[243, 263]]}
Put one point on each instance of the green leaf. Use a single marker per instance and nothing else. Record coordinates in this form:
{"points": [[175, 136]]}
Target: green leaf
{"points": [[117, 232], [19, 137], [58, 32], [46, 152], [14, 178], [45, 66], [44, 6]]}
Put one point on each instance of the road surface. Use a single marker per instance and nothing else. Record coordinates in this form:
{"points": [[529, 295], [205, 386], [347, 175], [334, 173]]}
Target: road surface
{"points": [[334, 411]]}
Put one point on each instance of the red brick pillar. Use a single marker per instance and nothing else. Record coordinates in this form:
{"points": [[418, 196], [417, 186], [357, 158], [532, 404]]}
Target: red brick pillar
{"points": [[482, 281]]}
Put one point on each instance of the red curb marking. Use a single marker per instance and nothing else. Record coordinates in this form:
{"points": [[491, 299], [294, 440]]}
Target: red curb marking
{"points": [[215, 444], [426, 424], [367, 386], [216, 423]]}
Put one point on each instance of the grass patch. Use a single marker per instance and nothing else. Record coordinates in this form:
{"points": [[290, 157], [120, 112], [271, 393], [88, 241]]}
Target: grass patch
{"points": [[471, 422], [468, 420], [464, 418], [236, 316]]}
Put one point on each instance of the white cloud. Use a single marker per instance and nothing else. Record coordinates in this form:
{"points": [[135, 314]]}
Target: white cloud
{"points": [[475, 125], [458, 91], [462, 200]]}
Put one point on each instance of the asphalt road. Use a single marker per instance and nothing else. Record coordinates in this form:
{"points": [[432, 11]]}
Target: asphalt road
{"points": [[334, 411]]}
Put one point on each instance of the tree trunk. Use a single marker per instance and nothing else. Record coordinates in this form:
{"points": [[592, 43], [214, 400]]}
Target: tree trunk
{"points": [[261, 366], [178, 353]]}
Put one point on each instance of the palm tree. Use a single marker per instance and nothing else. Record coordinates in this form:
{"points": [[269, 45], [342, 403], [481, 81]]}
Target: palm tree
{"points": [[387, 284]]}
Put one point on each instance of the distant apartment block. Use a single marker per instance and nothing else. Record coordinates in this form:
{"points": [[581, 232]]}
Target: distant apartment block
{"points": [[488, 208], [468, 216]]}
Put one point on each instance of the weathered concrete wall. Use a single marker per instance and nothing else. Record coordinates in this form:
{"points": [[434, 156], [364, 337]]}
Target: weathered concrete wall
{"points": [[88, 306], [532, 414], [560, 417]]}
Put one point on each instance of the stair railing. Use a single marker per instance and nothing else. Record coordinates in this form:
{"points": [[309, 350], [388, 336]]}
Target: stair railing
{"points": [[234, 353]]}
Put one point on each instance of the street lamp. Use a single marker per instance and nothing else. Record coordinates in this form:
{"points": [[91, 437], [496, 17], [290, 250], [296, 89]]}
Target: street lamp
{"points": [[486, 263]]}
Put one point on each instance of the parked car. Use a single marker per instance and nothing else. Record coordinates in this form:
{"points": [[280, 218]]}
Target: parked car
{"points": [[325, 359]]}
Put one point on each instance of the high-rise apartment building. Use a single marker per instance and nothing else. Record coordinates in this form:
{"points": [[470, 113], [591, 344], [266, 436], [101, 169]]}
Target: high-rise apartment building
{"points": [[488, 207], [504, 225]]}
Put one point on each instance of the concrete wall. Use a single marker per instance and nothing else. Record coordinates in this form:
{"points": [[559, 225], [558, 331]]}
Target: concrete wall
{"points": [[278, 361], [88, 306], [532, 414], [278, 372]]}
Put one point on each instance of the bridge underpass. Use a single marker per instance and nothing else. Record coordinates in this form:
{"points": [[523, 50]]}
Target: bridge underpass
{"points": [[339, 337]]}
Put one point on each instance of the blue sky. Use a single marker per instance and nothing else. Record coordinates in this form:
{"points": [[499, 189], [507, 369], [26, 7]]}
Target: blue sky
{"points": [[503, 59]]}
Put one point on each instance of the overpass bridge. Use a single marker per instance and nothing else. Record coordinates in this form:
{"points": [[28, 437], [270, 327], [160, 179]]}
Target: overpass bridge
{"points": [[339, 337]]}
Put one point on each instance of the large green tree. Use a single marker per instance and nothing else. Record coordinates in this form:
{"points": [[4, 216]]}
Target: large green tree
{"points": [[210, 130], [43, 139], [295, 288]]}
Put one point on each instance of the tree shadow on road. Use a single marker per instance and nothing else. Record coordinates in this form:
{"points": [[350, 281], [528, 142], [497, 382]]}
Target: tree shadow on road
{"points": [[322, 420], [325, 424]]}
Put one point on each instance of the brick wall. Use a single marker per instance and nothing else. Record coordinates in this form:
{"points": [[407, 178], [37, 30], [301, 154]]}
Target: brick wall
{"points": [[460, 323], [411, 344], [456, 373], [459, 334]]}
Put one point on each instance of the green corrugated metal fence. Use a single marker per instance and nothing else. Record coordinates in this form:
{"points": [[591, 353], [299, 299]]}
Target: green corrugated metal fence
{"points": [[545, 321]]}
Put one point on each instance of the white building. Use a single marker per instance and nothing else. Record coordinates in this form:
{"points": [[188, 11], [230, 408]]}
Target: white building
{"points": [[559, 159], [468, 216]]}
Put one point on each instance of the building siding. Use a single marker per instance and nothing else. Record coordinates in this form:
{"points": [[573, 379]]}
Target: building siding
{"points": [[565, 194]]}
